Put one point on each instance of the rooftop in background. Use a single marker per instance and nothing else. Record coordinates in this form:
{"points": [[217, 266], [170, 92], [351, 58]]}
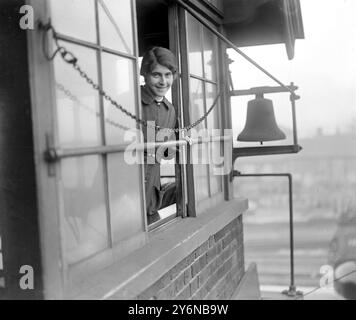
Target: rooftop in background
{"points": [[338, 145]]}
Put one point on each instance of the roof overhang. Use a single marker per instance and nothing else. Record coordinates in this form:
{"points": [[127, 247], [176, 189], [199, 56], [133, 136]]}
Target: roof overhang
{"points": [[261, 22]]}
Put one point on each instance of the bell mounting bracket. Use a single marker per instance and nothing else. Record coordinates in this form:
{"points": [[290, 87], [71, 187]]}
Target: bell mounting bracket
{"points": [[269, 150]]}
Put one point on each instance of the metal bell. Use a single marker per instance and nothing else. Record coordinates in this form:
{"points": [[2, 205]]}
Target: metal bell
{"points": [[260, 122]]}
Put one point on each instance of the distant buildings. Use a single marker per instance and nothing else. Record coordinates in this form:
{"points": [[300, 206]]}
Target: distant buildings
{"points": [[324, 174]]}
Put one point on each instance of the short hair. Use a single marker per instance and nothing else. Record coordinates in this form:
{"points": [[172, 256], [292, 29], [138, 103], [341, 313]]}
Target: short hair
{"points": [[158, 55]]}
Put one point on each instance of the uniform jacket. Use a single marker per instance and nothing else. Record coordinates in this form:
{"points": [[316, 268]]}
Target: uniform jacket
{"points": [[163, 113]]}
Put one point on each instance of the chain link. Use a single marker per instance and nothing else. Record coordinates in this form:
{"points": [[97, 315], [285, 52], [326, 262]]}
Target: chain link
{"points": [[75, 99], [71, 59]]}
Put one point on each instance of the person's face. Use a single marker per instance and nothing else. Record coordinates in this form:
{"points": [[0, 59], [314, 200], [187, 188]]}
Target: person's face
{"points": [[159, 80]]}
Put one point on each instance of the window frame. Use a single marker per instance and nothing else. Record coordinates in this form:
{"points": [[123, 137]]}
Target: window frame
{"points": [[100, 50], [194, 207], [180, 169], [59, 277]]}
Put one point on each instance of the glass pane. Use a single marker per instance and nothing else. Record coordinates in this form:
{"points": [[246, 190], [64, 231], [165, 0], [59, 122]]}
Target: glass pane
{"points": [[118, 82], [213, 117], [199, 152], [125, 199], [85, 225], [196, 102], [77, 102], [201, 182], [75, 18], [194, 46], [214, 129], [210, 55], [116, 25], [216, 166]]}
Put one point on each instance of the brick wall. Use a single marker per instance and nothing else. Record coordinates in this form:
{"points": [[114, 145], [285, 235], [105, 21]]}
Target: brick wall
{"points": [[211, 271]]}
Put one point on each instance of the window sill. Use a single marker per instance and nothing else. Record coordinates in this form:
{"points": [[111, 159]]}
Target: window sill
{"points": [[166, 247]]}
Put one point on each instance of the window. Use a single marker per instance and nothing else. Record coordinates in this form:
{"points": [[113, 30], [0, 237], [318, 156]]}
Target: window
{"points": [[102, 204], [204, 87], [155, 28]]}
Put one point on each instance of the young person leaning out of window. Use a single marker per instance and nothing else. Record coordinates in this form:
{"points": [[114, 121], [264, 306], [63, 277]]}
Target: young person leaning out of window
{"points": [[159, 69]]}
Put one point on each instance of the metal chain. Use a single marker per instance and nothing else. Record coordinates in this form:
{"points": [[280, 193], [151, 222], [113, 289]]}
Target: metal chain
{"points": [[71, 59], [75, 99]]}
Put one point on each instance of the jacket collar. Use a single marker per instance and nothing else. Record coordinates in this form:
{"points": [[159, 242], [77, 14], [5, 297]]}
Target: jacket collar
{"points": [[147, 98]]}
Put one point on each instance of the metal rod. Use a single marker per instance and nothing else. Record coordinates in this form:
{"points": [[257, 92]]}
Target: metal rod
{"points": [[54, 154], [295, 136], [239, 174], [263, 151], [229, 43], [292, 289], [231, 82], [202, 79], [265, 89], [291, 233]]}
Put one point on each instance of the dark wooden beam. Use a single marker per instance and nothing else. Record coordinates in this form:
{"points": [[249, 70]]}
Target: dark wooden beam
{"points": [[19, 228]]}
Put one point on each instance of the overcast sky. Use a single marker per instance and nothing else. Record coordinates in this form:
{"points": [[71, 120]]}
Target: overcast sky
{"points": [[324, 69]]}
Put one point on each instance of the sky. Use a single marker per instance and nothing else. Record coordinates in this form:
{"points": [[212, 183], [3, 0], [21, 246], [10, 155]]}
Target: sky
{"points": [[324, 69]]}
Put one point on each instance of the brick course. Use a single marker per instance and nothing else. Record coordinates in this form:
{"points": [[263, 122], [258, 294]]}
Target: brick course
{"points": [[211, 271]]}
